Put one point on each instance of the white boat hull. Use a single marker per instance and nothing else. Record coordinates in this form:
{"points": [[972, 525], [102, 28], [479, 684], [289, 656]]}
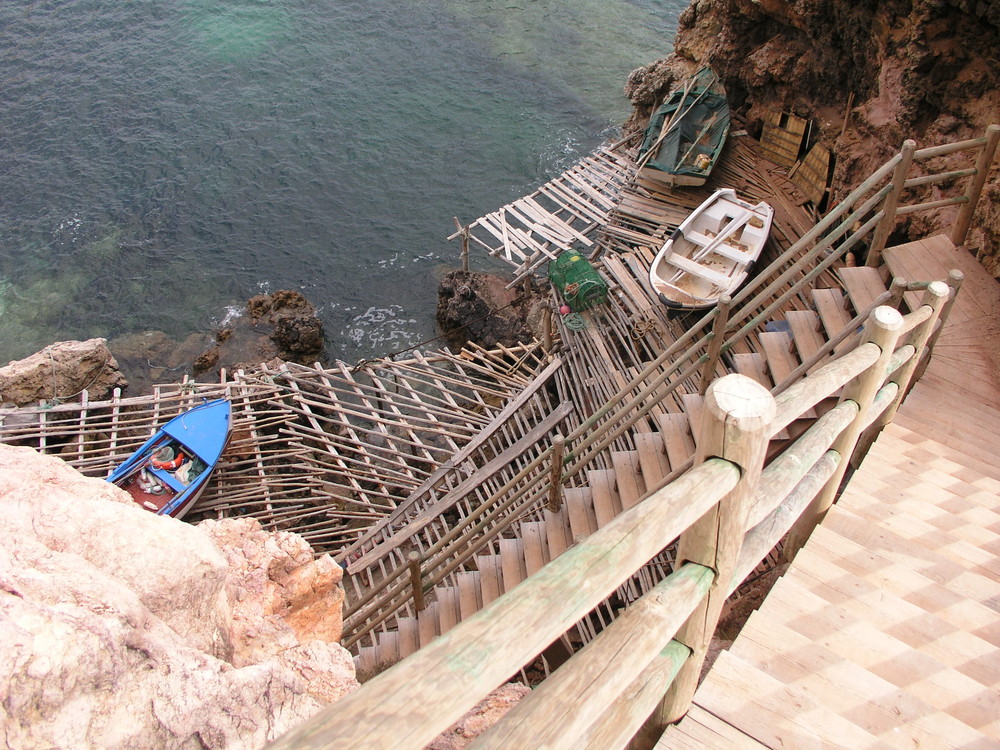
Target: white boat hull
{"points": [[712, 252]]}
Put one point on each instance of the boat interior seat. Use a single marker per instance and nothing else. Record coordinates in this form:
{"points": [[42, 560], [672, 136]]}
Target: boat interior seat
{"points": [[697, 237], [733, 253], [695, 268], [168, 478]]}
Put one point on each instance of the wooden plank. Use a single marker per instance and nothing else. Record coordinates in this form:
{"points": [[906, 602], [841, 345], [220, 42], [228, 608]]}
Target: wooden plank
{"points": [[701, 730], [804, 327], [427, 623], [813, 174], [752, 365], [677, 438], [535, 554], [863, 285], [829, 305], [469, 596], [578, 505], [449, 614], [489, 577], [782, 137], [695, 268], [653, 461], [693, 404], [605, 499], [557, 531], [628, 479], [776, 715], [512, 568], [409, 638]]}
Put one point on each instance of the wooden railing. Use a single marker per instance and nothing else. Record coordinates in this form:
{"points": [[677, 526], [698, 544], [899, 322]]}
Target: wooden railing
{"points": [[867, 214], [727, 512]]}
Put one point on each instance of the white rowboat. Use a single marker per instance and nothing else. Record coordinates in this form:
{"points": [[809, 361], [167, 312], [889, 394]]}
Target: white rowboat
{"points": [[712, 252]]}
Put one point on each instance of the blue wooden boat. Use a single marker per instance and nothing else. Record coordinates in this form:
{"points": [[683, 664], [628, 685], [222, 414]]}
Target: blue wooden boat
{"points": [[169, 471], [685, 135]]}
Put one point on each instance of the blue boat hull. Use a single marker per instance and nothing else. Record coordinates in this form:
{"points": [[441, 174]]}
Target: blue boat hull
{"points": [[194, 442]]}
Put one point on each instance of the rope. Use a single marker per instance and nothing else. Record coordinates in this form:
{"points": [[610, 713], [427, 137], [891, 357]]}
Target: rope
{"points": [[574, 321], [56, 399]]}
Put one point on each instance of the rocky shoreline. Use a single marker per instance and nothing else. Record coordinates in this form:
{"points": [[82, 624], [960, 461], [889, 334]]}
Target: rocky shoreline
{"points": [[867, 77], [128, 630]]}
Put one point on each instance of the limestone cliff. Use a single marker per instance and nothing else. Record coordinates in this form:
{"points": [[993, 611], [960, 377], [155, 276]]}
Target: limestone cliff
{"points": [[121, 629], [922, 69]]}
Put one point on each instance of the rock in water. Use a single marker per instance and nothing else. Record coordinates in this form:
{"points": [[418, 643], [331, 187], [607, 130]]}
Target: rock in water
{"points": [[61, 372], [477, 307], [122, 629]]}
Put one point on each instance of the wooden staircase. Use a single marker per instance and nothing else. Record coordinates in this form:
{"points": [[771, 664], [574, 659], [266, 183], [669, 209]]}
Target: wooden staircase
{"points": [[781, 348]]}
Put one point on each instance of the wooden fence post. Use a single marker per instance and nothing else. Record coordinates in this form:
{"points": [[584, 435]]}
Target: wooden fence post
{"points": [[715, 345], [955, 279], [935, 297], [464, 232], [555, 474], [547, 328], [416, 580], [888, 221], [961, 229], [735, 426], [882, 329]]}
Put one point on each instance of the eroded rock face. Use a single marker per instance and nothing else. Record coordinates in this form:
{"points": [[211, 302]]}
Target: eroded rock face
{"points": [[280, 595], [927, 70], [481, 717], [116, 626], [61, 372]]}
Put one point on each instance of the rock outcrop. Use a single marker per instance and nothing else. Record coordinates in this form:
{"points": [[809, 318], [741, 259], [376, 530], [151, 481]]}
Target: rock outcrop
{"points": [[60, 372], [927, 70], [477, 307], [121, 629]]}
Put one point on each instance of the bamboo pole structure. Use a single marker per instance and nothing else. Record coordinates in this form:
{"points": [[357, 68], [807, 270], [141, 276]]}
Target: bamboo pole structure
{"points": [[715, 344], [934, 300], [555, 473], [891, 204]]}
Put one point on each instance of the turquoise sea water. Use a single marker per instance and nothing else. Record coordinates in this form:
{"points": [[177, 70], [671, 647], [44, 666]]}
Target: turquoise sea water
{"points": [[164, 160]]}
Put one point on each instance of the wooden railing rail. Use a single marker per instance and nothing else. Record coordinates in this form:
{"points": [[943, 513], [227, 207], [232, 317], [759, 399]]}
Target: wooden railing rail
{"points": [[728, 512], [462, 666], [866, 212]]}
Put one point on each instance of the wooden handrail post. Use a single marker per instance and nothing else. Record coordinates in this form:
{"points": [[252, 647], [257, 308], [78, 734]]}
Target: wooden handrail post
{"points": [[416, 579], [715, 344], [885, 226], [955, 279], [555, 473], [547, 328], [735, 426], [935, 297], [882, 329], [985, 158], [897, 287]]}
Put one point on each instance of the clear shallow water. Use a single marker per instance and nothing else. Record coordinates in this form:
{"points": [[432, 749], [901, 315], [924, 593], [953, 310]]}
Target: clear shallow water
{"points": [[164, 160]]}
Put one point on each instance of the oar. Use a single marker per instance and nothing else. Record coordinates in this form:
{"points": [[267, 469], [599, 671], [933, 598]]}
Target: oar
{"points": [[675, 118], [721, 237]]}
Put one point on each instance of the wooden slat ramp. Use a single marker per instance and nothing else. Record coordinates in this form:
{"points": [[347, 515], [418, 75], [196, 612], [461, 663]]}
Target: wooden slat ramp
{"points": [[885, 631]]}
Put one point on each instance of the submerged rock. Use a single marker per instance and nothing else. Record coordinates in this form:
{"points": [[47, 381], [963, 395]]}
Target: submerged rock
{"points": [[122, 629]]}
